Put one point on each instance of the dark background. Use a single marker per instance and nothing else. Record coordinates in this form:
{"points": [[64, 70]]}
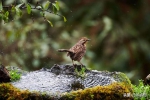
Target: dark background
{"points": [[119, 31]]}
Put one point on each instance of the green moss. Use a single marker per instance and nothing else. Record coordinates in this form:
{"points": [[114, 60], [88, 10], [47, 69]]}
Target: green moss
{"points": [[121, 77], [115, 91], [9, 92]]}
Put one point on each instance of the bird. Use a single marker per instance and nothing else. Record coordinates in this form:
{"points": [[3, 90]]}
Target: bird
{"points": [[77, 52]]}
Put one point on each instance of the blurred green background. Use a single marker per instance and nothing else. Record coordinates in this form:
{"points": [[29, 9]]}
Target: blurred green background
{"points": [[119, 31]]}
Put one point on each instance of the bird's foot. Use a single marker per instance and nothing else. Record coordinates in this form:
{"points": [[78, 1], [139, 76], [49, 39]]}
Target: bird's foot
{"points": [[83, 66], [75, 65]]}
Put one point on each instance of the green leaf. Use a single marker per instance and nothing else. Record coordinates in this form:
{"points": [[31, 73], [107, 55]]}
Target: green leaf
{"points": [[54, 9], [18, 11], [7, 14], [50, 23], [1, 6], [64, 19], [42, 13], [46, 5], [13, 9], [28, 8], [57, 5]]}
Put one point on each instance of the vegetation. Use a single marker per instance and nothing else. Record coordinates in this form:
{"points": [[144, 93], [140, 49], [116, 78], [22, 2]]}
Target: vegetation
{"points": [[7, 12], [14, 75], [141, 91], [81, 72]]}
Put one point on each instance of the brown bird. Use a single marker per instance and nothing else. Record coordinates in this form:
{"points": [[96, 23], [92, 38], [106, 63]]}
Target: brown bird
{"points": [[77, 51]]}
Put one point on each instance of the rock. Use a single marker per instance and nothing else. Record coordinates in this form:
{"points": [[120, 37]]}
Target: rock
{"points": [[61, 80], [4, 74], [147, 80]]}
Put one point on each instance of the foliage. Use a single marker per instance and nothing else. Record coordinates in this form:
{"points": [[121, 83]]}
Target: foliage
{"points": [[141, 91], [81, 72], [7, 12], [14, 75]]}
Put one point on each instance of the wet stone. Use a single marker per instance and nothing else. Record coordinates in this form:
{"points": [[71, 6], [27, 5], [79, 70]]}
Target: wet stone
{"points": [[64, 78]]}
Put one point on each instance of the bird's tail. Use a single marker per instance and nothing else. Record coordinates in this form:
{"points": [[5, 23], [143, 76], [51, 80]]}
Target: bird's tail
{"points": [[64, 50]]}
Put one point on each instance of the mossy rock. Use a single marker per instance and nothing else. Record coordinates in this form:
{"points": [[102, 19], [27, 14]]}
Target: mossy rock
{"points": [[114, 91], [62, 82]]}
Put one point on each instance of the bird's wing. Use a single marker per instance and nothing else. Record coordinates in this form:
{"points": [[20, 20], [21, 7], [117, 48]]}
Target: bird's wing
{"points": [[79, 51], [76, 48]]}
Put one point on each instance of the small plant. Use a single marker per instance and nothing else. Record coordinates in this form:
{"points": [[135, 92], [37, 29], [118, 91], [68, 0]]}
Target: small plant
{"points": [[14, 75], [141, 91], [80, 73]]}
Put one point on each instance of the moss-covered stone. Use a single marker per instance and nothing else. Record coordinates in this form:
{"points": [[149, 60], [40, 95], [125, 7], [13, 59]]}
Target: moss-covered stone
{"points": [[9, 92], [115, 91], [62, 83], [121, 77]]}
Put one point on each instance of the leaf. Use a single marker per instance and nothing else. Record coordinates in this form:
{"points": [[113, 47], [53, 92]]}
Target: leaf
{"points": [[20, 5], [7, 14], [28, 8], [13, 9], [1, 6], [54, 9], [46, 5], [57, 5], [18, 11], [50, 23], [64, 19], [42, 13]]}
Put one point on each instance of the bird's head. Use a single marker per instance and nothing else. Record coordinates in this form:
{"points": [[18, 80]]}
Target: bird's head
{"points": [[84, 40]]}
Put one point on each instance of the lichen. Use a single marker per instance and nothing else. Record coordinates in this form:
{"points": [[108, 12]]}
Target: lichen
{"points": [[115, 91]]}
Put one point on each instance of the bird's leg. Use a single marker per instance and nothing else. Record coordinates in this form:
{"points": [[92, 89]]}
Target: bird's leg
{"points": [[73, 63], [81, 64]]}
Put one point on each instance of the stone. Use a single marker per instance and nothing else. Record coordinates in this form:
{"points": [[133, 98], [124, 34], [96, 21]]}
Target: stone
{"points": [[62, 79], [147, 80], [4, 74]]}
